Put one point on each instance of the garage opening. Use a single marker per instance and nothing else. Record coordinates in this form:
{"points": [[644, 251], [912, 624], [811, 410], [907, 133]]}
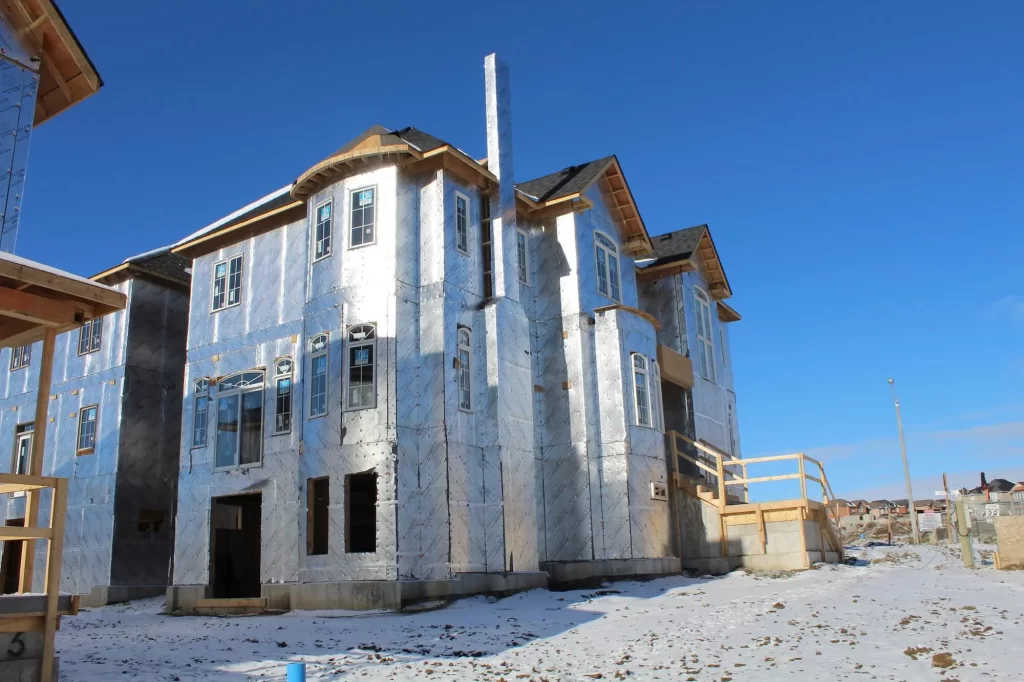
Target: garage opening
{"points": [[235, 546], [10, 570], [318, 501], [361, 512]]}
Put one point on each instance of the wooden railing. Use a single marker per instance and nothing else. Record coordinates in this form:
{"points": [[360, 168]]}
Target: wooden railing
{"points": [[47, 621], [721, 466]]}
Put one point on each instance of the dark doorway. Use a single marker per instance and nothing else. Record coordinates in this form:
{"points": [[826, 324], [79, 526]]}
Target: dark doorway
{"points": [[235, 546], [318, 503], [10, 571], [361, 512]]}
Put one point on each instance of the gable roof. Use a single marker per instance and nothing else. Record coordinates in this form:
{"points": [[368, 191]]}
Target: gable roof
{"points": [[571, 180], [563, 191], [673, 253], [380, 145]]}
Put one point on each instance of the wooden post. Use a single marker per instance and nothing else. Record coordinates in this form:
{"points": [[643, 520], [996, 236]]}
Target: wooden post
{"points": [[948, 512], [36, 459], [54, 557], [803, 531], [803, 478], [673, 505], [721, 481]]}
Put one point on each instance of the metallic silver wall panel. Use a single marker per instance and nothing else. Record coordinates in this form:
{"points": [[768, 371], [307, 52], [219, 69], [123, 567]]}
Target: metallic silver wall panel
{"points": [[19, 85]]}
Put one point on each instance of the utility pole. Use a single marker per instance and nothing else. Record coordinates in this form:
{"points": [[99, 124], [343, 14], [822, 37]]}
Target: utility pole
{"points": [[906, 467]]}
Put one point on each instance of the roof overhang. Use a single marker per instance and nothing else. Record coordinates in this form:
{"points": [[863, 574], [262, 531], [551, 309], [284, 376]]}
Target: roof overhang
{"points": [[66, 74], [35, 298], [379, 149], [614, 189], [727, 313], [207, 242], [126, 271], [717, 281]]}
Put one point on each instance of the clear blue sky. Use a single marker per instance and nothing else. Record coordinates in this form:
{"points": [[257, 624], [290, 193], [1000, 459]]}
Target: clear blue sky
{"points": [[860, 164]]}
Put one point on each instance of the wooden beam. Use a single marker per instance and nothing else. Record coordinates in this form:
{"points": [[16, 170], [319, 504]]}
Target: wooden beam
{"points": [[71, 287], [629, 309], [24, 533], [36, 458], [15, 333], [54, 557], [38, 309], [54, 72], [762, 479], [70, 44]]}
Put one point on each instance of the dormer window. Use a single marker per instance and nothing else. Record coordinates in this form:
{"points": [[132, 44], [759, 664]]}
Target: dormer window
{"points": [[607, 255]]}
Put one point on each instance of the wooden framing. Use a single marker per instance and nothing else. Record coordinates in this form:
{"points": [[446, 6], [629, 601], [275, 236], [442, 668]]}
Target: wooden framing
{"points": [[727, 313], [211, 241], [629, 309], [66, 75], [615, 191]]}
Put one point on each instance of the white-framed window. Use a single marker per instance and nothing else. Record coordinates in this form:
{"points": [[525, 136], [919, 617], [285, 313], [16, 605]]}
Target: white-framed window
{"points": [[721, 344], [87, 430], [322, 231], [465, 368], [522, 264], [607, 256], [90, 336], [22, 451], [318, 348], [362, 217], [462, 223], [283, 400], [201, 412], [20, 357], [227, 283], [705, 339], [240, 420], [641, 390], [359, 366]]}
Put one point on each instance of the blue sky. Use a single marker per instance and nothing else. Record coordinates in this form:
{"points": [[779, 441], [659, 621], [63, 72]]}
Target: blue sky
{"points": [[859, 165]]}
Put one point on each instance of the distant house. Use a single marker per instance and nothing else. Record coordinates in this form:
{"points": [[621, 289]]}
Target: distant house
{"points": [[999, 490], [841, 508], [1018, 492], [899, 507], [859, 507], [879, 508]]}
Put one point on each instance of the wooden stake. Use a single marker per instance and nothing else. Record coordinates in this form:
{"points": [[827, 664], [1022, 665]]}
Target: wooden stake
{"points": [[54, 557]]}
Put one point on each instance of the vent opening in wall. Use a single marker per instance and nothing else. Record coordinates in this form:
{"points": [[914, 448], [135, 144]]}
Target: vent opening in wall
{"points": [[361, 513], [318, 500], [659, 491]]}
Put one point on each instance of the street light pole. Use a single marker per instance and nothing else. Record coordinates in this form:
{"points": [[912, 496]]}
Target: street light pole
{"points": [[906, 466]]}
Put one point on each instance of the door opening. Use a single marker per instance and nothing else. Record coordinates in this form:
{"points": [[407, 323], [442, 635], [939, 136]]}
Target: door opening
{"points": [[235, 546], [10, 570]]}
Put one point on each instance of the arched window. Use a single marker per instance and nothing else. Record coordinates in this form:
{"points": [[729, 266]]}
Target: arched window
{"points": [[318, 347], [641, 390], [201, 411], [360, 367], [240, 420], [607, 255], [465, 365], [705, 338], [283, 401]]}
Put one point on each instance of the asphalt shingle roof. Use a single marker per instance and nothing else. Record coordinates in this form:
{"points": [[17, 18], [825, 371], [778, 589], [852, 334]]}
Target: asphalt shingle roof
{"points": [[565, 182], [678, 245], [168, 264]]}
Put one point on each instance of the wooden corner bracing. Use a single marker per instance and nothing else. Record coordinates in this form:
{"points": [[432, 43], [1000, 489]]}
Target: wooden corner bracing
{"points": [[619, 199]]}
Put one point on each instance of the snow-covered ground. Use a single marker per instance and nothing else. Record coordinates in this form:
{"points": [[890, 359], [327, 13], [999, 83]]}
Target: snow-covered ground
{"points": [[884, 619]]}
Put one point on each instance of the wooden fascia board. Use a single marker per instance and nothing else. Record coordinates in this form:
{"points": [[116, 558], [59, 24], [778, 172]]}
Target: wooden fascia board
{"points": [[62, 287], [666, 269], [192, 248], [721, 285], [308, 183], [472, 165], [70, 43], [727, 313], [630, 309]]}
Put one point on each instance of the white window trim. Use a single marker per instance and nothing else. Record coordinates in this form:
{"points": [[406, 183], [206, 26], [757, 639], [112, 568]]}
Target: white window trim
{"points": [[198, 393], [18, 437], [81, 331], [525, 281], [463, 251], [261, 389], [227, 282], [20, 352], [79, 450], [600, 248], [349, 345], [657, 400], [278, 376], [702, 303], [316, 224], [646, 371], [348, 221], [313, 355], [468, 369]]}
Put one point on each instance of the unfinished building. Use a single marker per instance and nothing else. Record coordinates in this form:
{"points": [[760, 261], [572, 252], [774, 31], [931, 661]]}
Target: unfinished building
{"points": [[114, 420], [408, 375]]}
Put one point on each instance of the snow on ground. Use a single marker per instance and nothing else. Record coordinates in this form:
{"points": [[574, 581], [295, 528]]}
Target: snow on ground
{"points": [[883, 619]]}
